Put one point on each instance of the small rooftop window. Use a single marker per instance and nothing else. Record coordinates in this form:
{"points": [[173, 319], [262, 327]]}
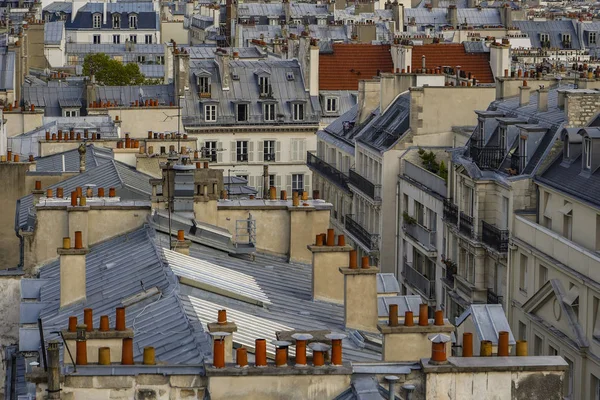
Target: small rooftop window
{"points": [[290, 76]]}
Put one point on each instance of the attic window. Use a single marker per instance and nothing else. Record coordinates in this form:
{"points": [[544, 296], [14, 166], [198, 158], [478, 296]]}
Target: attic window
{"points": [[587, 153], [203, 85], [116, 21], [235, 76], [264, 86], [133, 21], [545, 39], [97, 20], [289, 76], [566, 37], [331, 104]]}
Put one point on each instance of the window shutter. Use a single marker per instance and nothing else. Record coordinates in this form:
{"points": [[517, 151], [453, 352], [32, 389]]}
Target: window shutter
{"points": [[233, 153], [259, 186], [278, 151], [294, 150], [288, 184], [302, 150], [251, 181], [219, 153], [278, 182], [307, 184], [260, 149], [250, 151]]}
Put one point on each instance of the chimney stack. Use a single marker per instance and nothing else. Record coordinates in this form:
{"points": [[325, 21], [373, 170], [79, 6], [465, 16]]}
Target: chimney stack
{"points": [[336, 347], [53, 370], [301, 340], [181, 245], [219, 348], [360, 297], [542, 99], [223, 325], [319, 350], [524, 94], [72, 272], [327, 257], [439, 348]]}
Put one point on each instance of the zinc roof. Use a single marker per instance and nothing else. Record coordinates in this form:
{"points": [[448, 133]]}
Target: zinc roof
{"points": [[7, 71], [53, 32], [489, 320]]}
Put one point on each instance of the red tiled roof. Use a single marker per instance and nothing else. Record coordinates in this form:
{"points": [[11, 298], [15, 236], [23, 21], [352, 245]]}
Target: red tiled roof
{"points": [[350, 63], [451, 55]]}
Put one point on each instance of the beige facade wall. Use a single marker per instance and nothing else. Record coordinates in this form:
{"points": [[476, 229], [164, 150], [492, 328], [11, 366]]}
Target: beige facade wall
{"points": [[10, 317], [389, 211], [399, 347], [360, 301], [304, 226], [295, 387], [18, 122], [93, 345], [328, 283], [137, 121], [72, 279], [173, 30]]}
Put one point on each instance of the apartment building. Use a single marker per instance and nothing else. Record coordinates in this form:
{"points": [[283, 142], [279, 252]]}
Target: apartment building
{"points": [[250, 114], [554, 261]]}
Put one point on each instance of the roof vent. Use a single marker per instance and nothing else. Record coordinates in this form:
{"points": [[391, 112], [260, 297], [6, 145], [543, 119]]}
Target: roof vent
{"points": [[235, 76], [290, 76]]}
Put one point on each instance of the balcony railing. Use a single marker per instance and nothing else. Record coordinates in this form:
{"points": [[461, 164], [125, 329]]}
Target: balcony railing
{"points": [[368, 239], [450, 211], [449, 277], [493, 298], [419, 281], [494, 237], [516, 163], [487, 157], [425, 178], [422, 235], [328, 170], [364, 185], [466, 224]]}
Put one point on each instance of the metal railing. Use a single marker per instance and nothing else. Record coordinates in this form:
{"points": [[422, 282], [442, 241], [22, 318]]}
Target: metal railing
{"points": [[449, 277], [487, 157], [493, 298], [419, 281], [364, 185], [327, 170], [368, 239], [425, 178], [450, 211], [254, 119], [466, 224], [517, 162], [494, 237], [422, 235]]}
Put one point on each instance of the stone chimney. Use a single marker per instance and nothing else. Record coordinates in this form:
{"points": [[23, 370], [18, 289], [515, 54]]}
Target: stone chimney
{"points": [[402, 57], [524, 94], [314, 70], [223, 325], [453, 15], [90, 89], [72, 271], [360, 296], [189, 8], [506, 15], [181, 71], [410, 341], [181, 245], [398, 16], [368, 98], [222, 58], [499, 59], [327, 257], [542, 99]]}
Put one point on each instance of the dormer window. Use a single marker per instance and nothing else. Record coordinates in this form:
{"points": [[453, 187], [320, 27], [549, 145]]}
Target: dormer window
{"points": [[592, 38], [97, 20], [545, 39], [264, 85], [269, 111], [481, 126], [116, 21], [522, 152], [566, 37], [297, 22], [133, 21], [503, 139], [204, 86], [587, 153], [273, 21], [321, 21], [331, 104], [298, 112]]}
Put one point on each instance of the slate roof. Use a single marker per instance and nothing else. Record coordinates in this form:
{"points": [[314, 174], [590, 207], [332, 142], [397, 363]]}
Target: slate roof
{"points": [[129, 183], [48, 96], [246, 89], [489, 320], [126, 95], [438, 17], [117, 269], [94, 157], [588, 27], [349, 63], [7, 71], [109, 48], [451, 55], [382, 131], [554, 29], [53, 32], [208, 52]]}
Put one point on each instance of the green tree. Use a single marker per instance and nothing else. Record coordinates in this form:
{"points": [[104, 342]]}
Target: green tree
{"points": [[111, 72]]}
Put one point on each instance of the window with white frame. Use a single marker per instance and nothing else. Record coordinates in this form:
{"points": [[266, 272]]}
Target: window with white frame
{"points": [[269, 111], [116, 39], [592, 37], [273, 21], [242, 150], [269, 150], [298, 182], [544, 38], [71, 113], [160, 60], [210, 112], [587, 153], [141, 59], [116, 21], [321, 21], [133, 39], [133, 21], [148, 39], [210, 150], [96, 39], [331, 104], [298, 112], [97, 20], [272, 180]]}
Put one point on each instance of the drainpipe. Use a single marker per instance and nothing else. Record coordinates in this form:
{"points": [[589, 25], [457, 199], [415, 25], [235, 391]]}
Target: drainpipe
{"points": [[391, 379], [53, 370]]}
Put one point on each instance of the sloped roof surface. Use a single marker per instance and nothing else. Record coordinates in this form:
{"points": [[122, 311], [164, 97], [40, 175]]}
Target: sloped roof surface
{"points": [[349, 63], [489, 320], [383, 130], [7, 71], [53, 32], [554, 29], [94, 156], [452, 55]]}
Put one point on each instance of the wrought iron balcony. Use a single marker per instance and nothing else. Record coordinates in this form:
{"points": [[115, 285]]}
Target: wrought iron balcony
{"points": [[516, 163], [419, 281], [329, 171], [493, 298], [449, 276], [368, 239], [450, 211], [364, 185], [422, 235], [487, 157], [494, 237], [466, 224]]}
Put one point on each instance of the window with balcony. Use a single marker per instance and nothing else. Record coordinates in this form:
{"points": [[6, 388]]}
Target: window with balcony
{"points": [[269, 111], [133, 39], [116, 21], [116, 39], [97, 20], [203, 85], [545, 39], [523, 273], [210, 150], [210, 112], [96, 39], [269, 150], [242, 150], [148, 39], [241, 112], [133, 21], [468, 198], [298, 112], [297, 182]]}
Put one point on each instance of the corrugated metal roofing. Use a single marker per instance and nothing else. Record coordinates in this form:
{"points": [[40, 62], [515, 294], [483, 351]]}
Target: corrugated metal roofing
{"points": [[7, 71], [53, 32], [120, 268], [489, 320]]}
